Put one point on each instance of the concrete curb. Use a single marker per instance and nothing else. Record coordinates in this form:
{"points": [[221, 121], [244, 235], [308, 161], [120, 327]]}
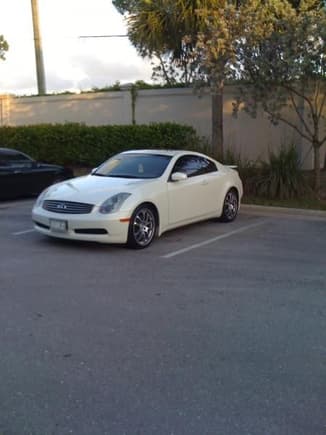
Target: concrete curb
{"points": [[262, 209]]}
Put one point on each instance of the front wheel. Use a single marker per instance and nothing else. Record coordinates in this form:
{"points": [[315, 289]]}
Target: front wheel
{"points": [[230, 206], [142, 227]]}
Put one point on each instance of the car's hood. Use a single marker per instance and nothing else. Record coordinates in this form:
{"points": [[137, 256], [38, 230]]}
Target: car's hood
{"points": [[93, 189]]}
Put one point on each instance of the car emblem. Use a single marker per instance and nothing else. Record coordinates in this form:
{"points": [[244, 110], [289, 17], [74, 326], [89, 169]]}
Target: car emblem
{"points": [[61, 206]]}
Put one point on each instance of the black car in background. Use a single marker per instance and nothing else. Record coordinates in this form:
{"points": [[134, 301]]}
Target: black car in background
{"points": [[20, 175]]}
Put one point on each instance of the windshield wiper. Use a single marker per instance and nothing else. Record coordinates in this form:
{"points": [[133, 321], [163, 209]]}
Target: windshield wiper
{"points": [[123, 176], [118, 176], [99, 175]]}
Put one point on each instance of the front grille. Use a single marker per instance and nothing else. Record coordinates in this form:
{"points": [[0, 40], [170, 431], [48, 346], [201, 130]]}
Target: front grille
{"points": [[67, 207]]}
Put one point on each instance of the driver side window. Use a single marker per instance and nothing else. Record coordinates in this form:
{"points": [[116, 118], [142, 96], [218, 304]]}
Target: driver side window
{"points": [[193, 165]]}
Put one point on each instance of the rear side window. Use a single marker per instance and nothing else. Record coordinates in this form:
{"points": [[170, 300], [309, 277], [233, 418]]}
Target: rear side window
{"points": [[194, 165]]}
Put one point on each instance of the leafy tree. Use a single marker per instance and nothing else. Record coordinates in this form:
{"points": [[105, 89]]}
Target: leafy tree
{"points": [[3, 47], [216, 53], [211, 39], [285, 62], [227, 24]]}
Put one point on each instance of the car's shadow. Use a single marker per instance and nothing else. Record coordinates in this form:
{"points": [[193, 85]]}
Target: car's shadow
{"points": [[177, 235], [78, 245]]}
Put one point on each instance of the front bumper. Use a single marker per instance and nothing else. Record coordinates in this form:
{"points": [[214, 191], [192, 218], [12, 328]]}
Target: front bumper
{"points": [[94, 226]]}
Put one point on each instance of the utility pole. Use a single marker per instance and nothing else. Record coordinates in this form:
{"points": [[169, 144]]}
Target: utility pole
{"points": [[38, 50]]}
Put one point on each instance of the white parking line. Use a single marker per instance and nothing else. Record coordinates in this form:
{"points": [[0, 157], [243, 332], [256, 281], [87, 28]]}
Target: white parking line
{"points": [[214, 239], [19, 233], [4, 205]]}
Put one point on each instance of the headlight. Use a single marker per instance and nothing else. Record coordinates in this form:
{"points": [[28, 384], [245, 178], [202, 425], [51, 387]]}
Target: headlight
{"points": [[113, 204], [41, 197]]}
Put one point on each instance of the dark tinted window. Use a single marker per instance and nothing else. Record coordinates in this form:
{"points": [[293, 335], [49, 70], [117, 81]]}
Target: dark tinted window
{"points": [[194, 165], [8, 157], [134, 166]]}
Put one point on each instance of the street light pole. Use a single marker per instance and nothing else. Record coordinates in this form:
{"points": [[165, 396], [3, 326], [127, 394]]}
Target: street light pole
{"points": [[38, 50]]}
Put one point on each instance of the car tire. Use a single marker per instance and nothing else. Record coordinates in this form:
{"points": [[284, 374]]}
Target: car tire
{"points": [[230, 206], [142, 227]]}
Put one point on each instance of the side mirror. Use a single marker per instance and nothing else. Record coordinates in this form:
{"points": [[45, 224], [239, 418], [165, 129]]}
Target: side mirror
{"points": [[179, 176]]}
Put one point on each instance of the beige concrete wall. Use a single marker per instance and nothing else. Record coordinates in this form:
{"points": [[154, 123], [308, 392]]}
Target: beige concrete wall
{"points": [[177, 105], [251, 138], [244, 135], [91, 109]]}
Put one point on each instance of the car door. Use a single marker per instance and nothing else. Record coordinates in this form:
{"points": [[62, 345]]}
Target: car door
{"points": [[23, 173], [12, 184], [8, 188], [192, 198], [32, 177], [39, 176]]}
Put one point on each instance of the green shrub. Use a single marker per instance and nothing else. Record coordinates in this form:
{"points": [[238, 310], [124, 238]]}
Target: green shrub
{"points": [[78, 144], [281, 177]]}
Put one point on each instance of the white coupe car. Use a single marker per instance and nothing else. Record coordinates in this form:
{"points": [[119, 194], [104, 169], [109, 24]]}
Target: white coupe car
{"points": [[136, 195]]}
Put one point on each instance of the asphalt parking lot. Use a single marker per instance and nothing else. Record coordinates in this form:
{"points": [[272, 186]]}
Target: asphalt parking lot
{"points": [[215, 329]]}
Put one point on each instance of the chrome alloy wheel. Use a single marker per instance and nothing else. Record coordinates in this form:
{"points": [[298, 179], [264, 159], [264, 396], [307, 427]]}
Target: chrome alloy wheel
{"points": [[230, 207], [143, 227]]}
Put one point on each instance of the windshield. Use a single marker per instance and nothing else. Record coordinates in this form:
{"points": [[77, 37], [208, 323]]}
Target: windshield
{"points": [[134, 166]]}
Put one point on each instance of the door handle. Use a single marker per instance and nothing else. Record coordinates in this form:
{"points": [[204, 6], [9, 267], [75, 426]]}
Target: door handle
{"points": [[204, 182]]}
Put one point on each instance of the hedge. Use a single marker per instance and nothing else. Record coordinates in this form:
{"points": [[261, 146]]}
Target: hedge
{"points": [[78, 144]]}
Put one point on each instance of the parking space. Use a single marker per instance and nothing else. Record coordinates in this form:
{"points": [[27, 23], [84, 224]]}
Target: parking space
{"points": [[213, 329], [16, 221]]}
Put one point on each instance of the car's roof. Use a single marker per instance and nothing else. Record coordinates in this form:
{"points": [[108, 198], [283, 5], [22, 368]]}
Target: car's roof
{"points": [[9, 150], [164, 152]]}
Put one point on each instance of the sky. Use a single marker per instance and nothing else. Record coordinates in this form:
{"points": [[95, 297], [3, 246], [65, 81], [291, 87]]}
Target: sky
{"points": [[71, 63]]}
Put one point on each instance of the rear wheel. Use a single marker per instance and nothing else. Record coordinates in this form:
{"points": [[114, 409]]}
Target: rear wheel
{"points": [[142, 227], [230, 206]]}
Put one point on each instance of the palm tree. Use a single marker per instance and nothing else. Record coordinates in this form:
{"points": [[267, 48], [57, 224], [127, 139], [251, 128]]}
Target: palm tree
{"points": [[168, 30], [159, 29]]}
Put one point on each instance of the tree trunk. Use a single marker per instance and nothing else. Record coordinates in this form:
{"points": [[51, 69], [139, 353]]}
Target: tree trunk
{"points": [[217, 122], [317, 169]]}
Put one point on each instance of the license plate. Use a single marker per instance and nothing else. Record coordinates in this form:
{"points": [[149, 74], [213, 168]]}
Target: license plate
{"points": [[58, 226]]}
